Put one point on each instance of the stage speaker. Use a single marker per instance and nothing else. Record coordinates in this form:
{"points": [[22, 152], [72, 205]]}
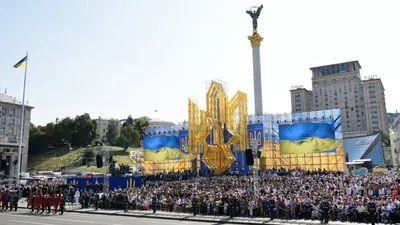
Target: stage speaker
{"points": [[99, 161], [3, 165], [249, 157]]}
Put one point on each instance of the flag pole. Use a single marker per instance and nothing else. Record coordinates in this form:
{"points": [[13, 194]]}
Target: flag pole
{"points": [[22, 123]]}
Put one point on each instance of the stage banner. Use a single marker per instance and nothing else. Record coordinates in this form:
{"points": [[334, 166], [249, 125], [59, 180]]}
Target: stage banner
{"points": [[164, 147], [183, 141], [114, 182], [255, 136], [306, 138]]}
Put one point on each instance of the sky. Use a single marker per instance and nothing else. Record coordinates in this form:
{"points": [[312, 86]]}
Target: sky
{"points": [[131, 57]]}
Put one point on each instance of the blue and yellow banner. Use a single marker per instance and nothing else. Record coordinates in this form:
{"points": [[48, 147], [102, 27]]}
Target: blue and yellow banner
{"points": [[305, 138], [164, 147]]}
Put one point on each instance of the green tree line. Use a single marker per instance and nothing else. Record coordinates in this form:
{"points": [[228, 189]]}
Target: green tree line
{"points": [[81, 131]]}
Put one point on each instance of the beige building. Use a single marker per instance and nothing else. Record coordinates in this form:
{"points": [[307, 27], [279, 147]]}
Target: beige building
{"points": [[340, 86], [375, 105], [395, 140], [102, 128], [10, 125]]}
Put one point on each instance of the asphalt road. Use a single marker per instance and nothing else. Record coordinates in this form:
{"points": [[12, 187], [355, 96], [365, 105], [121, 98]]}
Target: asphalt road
{"points": [[23, 217]]}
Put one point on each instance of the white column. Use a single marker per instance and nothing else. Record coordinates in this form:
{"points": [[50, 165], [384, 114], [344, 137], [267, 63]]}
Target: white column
{"points": [[257, 81]]}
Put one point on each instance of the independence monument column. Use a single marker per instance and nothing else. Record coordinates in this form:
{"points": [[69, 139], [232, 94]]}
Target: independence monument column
{"points": [[255, 40]]}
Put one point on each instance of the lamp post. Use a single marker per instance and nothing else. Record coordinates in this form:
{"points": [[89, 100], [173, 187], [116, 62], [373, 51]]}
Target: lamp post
{"points": [[69, 158]]}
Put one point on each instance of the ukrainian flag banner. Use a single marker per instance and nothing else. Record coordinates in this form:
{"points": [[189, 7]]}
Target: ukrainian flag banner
{"points": [[22, 62]]}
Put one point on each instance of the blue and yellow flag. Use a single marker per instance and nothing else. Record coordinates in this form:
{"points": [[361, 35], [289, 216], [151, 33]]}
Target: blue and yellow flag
{"points": [[22, 62]]}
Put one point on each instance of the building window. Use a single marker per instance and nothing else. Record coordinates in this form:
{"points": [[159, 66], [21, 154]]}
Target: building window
{"points": [[11, 130], [3, 120], [4, 110], [12, 121], [2, 129], [104, 130], [12, 112]]}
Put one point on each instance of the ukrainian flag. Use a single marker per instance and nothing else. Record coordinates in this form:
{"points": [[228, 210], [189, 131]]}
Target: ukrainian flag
{"points": [[22, 62]]}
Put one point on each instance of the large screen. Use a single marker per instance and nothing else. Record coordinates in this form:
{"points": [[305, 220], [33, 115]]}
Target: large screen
{"points": [[166, 147], [306, 138]]}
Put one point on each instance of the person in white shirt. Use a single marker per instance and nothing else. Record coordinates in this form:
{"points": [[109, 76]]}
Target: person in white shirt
{"points": [[77, 196]]}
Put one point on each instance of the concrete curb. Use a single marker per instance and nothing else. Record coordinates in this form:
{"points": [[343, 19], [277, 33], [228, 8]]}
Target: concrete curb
{"points": [[154, 216], [199, 219]]}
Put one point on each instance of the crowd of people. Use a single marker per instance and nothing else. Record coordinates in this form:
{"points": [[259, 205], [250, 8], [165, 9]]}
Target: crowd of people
{"points": [[281, 194]]}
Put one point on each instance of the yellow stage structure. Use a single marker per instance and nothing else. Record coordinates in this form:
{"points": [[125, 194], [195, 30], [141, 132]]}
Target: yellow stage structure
{"points": [[221, 115]]}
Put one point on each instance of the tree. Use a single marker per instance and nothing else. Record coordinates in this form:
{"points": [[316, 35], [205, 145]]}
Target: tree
{"points": [[385, 138], [129, 137], [140, 125], [128, 121], [85, 130], [113, 131], [80, 131]]}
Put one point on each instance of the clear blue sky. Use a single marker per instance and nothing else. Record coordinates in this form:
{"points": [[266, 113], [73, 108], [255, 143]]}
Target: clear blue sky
{"points": [[115, 58]]}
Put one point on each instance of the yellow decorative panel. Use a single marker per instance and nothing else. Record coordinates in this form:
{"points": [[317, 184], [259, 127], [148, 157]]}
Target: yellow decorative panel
{"points": [[219, 112]]}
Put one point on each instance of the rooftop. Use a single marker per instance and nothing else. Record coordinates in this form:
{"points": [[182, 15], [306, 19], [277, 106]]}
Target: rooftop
{"points": [[356, 61], [11, 100]]}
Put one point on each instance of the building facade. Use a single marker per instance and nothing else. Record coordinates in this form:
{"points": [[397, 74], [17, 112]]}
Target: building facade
{"points": [[340, 86], [10, 125], [395, 139]]}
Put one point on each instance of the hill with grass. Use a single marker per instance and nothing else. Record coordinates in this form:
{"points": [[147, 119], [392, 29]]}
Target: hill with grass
{"points": [[60, 158]]}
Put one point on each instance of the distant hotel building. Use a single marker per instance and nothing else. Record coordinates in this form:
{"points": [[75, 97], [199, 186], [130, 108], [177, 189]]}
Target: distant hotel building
{"points": [[362, 102], [10, 124]]}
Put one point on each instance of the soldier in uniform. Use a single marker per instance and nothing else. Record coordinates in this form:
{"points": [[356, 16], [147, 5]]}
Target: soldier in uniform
{"points": [[194, 205], [154, 203], [325, 211], [371, 208], [33, 200], [126, 202]]}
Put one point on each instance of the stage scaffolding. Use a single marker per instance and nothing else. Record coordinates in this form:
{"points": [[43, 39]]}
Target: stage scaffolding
{"points": [[271, 157]]}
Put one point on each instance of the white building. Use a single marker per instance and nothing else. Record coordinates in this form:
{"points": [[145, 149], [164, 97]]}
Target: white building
{"points": [[395, 139], [10, 125]]}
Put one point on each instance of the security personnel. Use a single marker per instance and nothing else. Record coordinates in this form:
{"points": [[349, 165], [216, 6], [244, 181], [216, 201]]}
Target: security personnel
{"points": [[325, 207], [154, 203], [126, 202], [96, 201], [272, 208], [371, 207], [231, 206], [15, 200], [62, 204], [194, 205]]}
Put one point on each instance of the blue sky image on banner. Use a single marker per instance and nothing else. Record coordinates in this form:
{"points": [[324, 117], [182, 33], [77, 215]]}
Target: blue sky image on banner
{"points": [[306, 138], [160, 148]]}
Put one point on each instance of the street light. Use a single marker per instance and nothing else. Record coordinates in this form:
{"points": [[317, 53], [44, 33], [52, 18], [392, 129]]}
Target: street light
{"points": [[70, 149]]}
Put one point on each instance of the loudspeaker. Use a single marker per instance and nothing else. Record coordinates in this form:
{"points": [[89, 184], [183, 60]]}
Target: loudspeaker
{"points": [[249, 157], [110, 159], [3, 164], [99, 161], [258, 154]]}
